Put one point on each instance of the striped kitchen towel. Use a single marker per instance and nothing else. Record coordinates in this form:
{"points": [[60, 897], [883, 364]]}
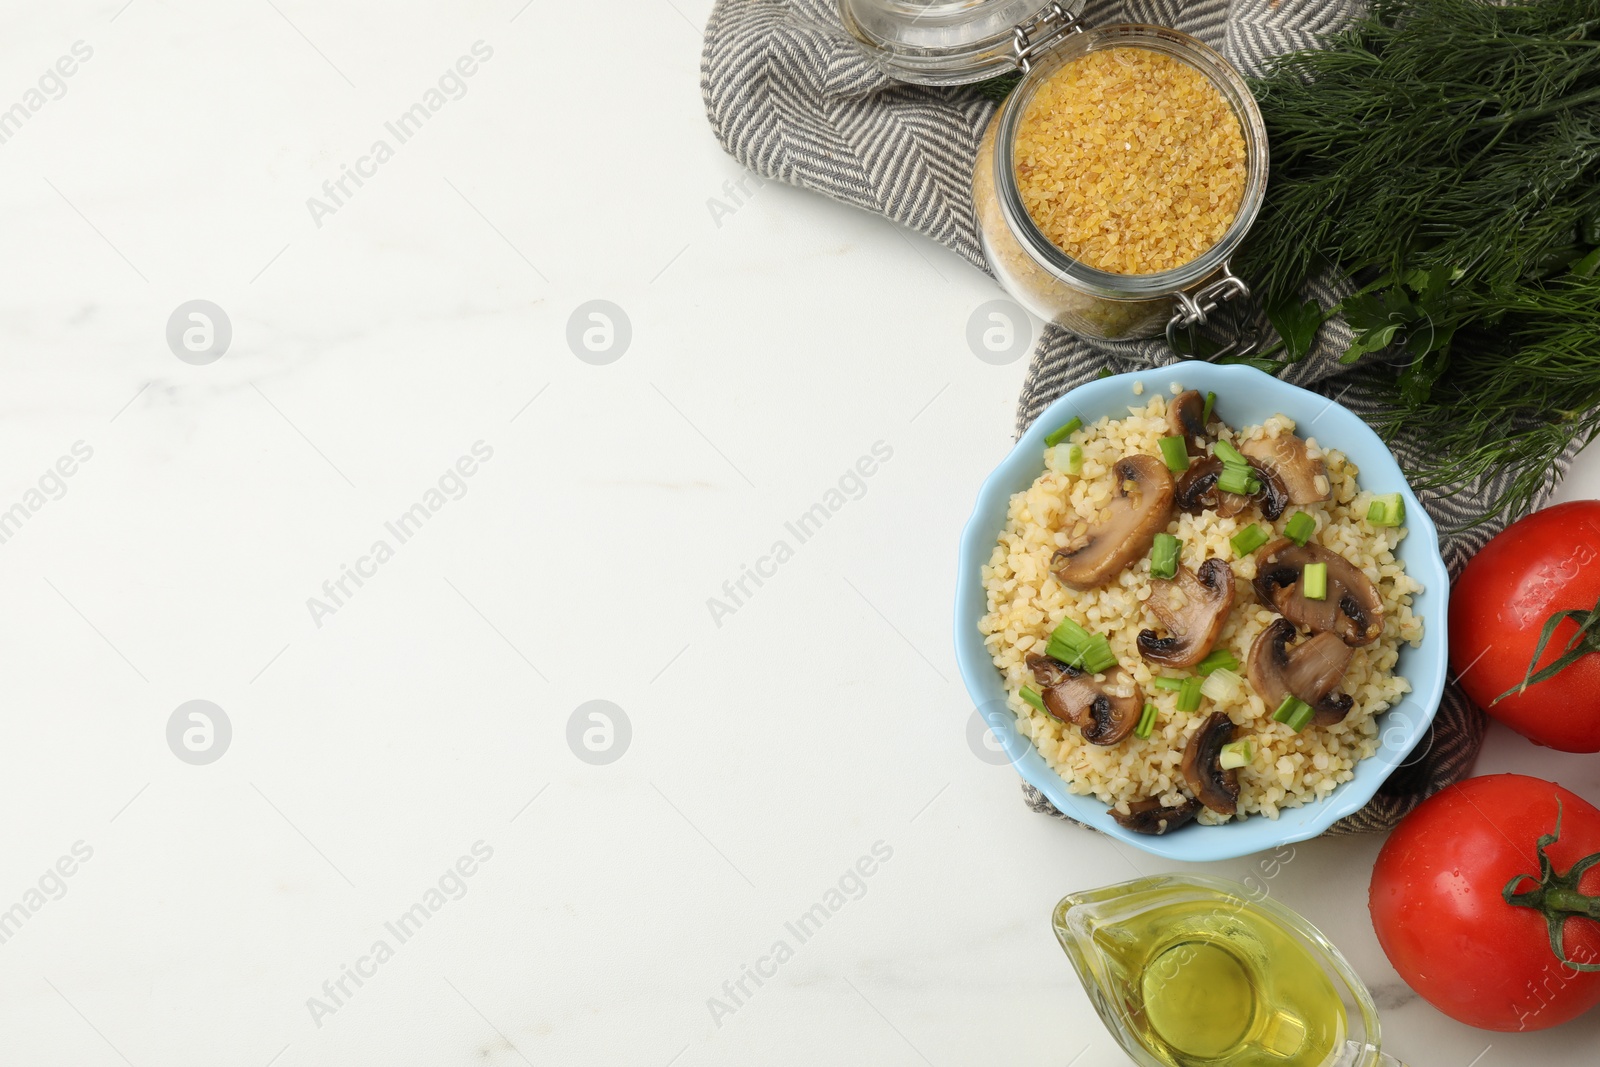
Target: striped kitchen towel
{"points": [[792, 97]]}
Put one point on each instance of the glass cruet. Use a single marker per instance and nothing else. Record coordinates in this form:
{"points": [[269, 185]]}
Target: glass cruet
{"points": [[1189, 971]]}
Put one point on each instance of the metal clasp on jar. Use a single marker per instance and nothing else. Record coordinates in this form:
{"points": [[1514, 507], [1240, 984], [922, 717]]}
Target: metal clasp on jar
{"points": [[1051, 25], [1195, 310]]}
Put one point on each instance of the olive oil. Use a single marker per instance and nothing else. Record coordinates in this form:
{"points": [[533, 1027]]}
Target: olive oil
{"points": [[1192, 973], [1227, 985]]}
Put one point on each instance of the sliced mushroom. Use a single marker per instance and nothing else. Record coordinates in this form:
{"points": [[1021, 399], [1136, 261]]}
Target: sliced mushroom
{"points": [[1352, 608], [1049, 673], [1192, 606], [1286, 456], [1141, 509], [1214, 787], [1274, 495], [1186, 418], [1052, 672], [1150, 816], [1311, 671], [1197, 491], [1104, 712]]}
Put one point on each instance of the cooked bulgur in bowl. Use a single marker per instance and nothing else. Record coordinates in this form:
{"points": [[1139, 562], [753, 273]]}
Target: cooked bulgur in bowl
{"points": [[1202, 608]]}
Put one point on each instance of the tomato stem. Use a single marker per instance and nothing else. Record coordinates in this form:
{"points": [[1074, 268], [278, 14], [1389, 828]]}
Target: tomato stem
{"points": [[1571, 903], [1557, 896], [1585, 642]]}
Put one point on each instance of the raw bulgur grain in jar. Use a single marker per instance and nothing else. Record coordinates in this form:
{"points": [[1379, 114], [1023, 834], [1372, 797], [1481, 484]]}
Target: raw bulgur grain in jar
{"points": [[1116, 180], [1130, 161]]}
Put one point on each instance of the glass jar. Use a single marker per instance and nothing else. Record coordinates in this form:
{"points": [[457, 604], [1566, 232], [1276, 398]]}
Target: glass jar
{"points": [[946, 42]]}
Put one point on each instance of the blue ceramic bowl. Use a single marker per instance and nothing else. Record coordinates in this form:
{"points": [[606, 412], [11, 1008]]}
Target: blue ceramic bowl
{"points": [[1248, 397]]}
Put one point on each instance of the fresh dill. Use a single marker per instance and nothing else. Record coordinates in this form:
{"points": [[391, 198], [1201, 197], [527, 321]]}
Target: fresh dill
{"points": [[1446, 155], [997, 89]]}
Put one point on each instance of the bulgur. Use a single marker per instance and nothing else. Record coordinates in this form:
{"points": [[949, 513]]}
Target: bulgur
{"points": [[1130, 161], [1026, 602]]}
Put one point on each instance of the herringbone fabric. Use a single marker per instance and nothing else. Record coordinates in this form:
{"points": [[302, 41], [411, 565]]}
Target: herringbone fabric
{"points": [[792, 97]]}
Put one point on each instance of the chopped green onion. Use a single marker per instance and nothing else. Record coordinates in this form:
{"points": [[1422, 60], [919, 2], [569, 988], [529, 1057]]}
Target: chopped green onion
{"points": [[1173, 684], [1299, 528], [1238, 476], [1237, 754], [1032, 696], [1074, 459], [1291, 704], [1189, 695], [1248, 540], [1061, 433], [1077, 647], [1211, 403], [1164, 556], [1060, 650], [1070, 633], [1097, 655], [1219, 659], [1315, 583], [1175, 453], [1387, 510], [1241, 480], [1293, 713], [1221, 686], [1230, 455], [1147, 721]]}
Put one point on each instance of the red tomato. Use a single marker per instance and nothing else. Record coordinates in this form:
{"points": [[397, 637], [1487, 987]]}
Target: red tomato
{"points": [[1437, 906], [1544, 563]]}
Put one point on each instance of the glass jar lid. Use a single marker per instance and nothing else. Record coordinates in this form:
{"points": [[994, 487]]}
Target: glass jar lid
{"points": [[952, 42]]}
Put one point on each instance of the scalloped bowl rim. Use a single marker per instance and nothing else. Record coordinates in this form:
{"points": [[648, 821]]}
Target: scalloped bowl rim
{"points": [[1248, 396]]}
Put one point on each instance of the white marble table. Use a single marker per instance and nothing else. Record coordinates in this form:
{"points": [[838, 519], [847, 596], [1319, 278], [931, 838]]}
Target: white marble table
{"points": [[403, 342]]}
